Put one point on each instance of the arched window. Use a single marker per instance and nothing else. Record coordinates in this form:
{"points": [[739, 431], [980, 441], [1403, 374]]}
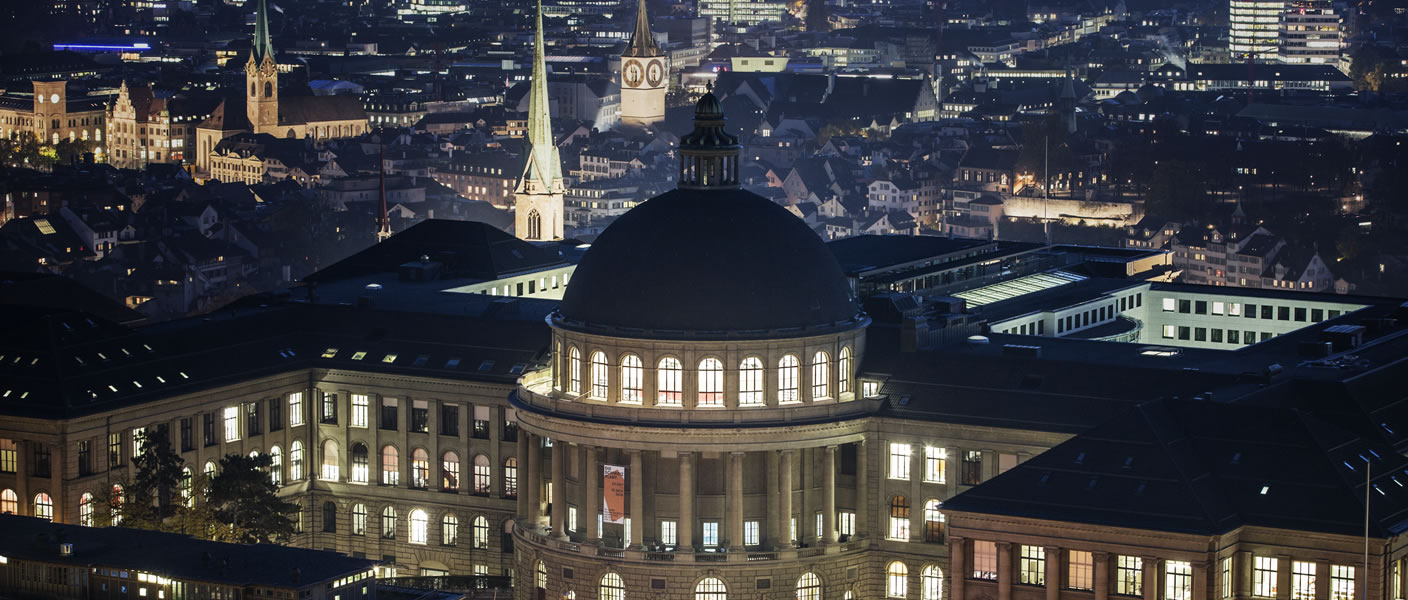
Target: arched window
{"points": [[361, 469], [388, 523], [821, 376], [710, 588], [187, 498], [114, 504], [931, 583], [450, 472], [85, 510], [896, 580], [787, 373], [540, 576], [611, 588], [899, 518], [511, 478], [843, 371], [330, 517], [209, 469], [669, 378], [420, 522], [44, 506], [933, 522], [420, 469], [295, 461], [535, 225], [482, 475], [808, 587], [574, 370], [449, 530], [390, 466], [632, 379], [330, 461], [711, 382], [253, 90], [268, 89], [359, 519], [481, 532], [750, 382], [276, 465], [600, 387]]}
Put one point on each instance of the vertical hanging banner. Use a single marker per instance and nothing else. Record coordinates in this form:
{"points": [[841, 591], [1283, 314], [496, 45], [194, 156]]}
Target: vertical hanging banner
{"points": [[613, 490]]}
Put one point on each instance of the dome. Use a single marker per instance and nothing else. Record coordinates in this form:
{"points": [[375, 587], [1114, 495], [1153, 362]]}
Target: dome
{"points": [[707, 264]]}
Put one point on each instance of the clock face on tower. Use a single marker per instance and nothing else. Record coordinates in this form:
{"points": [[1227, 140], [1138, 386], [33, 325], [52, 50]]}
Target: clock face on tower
{"points": [[632, 74], [655, 73]]}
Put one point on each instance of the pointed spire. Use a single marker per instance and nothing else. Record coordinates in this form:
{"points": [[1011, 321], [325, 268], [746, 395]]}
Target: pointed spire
{"points": [[383, 221], [541, 162], [642, 41], [263, 45]]}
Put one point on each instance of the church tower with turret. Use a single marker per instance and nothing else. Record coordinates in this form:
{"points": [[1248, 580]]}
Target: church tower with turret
{"points": [[645, 74], [261, 78], [537, 198]]}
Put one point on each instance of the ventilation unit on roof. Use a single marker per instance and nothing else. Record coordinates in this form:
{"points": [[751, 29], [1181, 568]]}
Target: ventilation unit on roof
{"points": [[1343, 337]]}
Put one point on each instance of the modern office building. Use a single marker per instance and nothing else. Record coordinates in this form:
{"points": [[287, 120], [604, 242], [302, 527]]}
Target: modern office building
{"points": [[1311, 33], [1254, 30], [742, 12]]}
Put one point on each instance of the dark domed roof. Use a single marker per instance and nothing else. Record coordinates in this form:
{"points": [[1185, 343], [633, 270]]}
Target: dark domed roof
{"points": [[708, 261]]}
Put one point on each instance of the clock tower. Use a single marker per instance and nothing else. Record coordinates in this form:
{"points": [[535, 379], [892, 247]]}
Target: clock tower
{"points": [[645, 73]]}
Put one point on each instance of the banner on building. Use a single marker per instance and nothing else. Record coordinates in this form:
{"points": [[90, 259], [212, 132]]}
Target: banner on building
{"points": [[613, 490]]}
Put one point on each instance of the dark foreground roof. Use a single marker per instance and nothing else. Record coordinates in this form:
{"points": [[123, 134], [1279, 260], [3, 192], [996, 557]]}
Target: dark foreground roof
{"points": [[1203, 467], [464, 249], [174, 555]]}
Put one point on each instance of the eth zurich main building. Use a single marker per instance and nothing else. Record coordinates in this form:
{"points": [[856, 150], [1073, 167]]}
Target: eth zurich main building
{"points": [[710, 403]]}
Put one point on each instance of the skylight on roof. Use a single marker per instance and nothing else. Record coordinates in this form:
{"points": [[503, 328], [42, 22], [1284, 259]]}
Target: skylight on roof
{"points": [[359, 356], [452, 363], [184, 375], [44, 226], [1265, 489], [389, 358], [421, 360], [486, 365], [330, 352], [1021, 286], [518, 368]]}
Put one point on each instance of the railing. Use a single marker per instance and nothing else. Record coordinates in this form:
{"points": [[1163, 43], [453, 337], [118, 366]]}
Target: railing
{"points": [[450, 583], [586, 549], [539, 399]]}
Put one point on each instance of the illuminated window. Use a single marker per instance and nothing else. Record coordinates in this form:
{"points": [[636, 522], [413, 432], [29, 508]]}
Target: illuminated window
{"points": [[420, 469], [574, 370], [984, 560], [295, 409], [9, 502], [931, 583], [899, 461], [1129, 575], [1264, 576], [1082, 569], [481, 532], [899, 519], [611, 587], [1032, 565], [1178, 580], [809, 587], [361, 467], [419, 524], [450, 471], [9, 454], [750, 382], [388, 523], [896, 580], [295, 461], [669, 379], [601, 388], [276, 465], [361, 405], [821, 373], [632, 379], [44, 507], [1302, 580], [843, 371], [540, 575], [511, 478], [787, 374], [933, 522], [710, 588], [232, 423], [935, 460], [482, 475], [359, 519], [85, 510], [331, 462], [711, 382], [390, 466], [1341, 582]]}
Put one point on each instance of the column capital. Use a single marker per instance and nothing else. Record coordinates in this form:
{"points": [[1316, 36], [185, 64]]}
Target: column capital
{"points": [[738, 453], [1101, 554], [1003, 545], [956, 539], [1050, 549], [831, 448]]}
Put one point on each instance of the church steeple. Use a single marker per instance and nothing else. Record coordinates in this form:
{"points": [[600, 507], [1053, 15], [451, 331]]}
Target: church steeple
{"points": [[261, 77], [538, 194], [263, 45], [642, 41]]}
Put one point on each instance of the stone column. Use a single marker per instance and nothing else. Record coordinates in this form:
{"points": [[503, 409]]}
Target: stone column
{"points": [[862, 490], [735, 501], [916, 492], [1053, 573], [1004, 570], [637, 500], [1102, 574], [775, 529], [1150, 567], [558, 499], [524, 502], [828, 485], [1322, 574], [1283, 577], [958, 560], [528, 483], [497, 420], [784, 494], [686, 522], [1242, 571], [591, 471], [1200, 581]]}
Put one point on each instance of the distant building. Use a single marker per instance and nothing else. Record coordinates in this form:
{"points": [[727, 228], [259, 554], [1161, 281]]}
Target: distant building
{"points": [[1311, 34], [743, 12], [645, 75], [537, 196], [51, 560], [50, 115], [143, 128], [1254, 27]]}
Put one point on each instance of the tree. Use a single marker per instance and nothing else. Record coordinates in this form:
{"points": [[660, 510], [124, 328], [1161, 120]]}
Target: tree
{"points": [[817, 17], [244, 501], [69, 151], [1043, 144]]}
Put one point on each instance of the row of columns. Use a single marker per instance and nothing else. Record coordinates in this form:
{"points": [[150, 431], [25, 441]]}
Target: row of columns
{"points": [[780, 467]]}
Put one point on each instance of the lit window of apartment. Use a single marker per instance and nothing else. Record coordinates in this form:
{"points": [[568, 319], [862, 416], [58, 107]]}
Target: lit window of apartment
{"points": [[984, 560], [750, 533], [711, 534], [1264, 576], [669, 533], [1226, 576], [361, 405], [899, 461], [1032, 565]]}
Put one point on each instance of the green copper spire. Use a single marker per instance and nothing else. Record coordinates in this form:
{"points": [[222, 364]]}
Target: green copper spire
{"points": [[263, 45], [541, 163], [642, 42]]}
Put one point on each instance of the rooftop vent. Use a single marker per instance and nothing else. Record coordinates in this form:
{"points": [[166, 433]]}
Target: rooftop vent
{"points": [[65, 549]]}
